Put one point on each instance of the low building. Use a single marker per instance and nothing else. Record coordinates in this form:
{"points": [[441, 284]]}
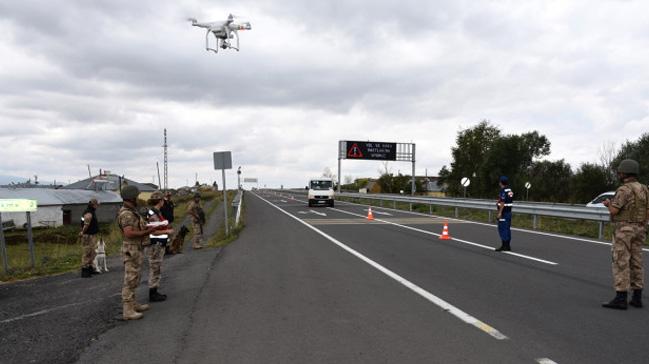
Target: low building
{"points": [[107, 181], [59, 206]]}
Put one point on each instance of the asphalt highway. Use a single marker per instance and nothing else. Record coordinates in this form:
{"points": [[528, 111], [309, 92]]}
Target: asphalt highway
{"points": [[325, 285]]}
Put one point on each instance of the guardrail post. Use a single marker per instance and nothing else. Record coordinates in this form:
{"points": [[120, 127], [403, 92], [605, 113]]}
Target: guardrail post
{"points": [[3, 248], [394, 204], [534, 222], [601, 230], [490, 218], [430, 209], [381, 203], [411, 207], [457, 213]]}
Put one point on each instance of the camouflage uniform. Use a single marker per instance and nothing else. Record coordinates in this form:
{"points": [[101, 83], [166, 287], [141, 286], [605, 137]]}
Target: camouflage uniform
{"points": [[195, 210], [155, 251], [632, 198], [131, 253], [88, 246]]}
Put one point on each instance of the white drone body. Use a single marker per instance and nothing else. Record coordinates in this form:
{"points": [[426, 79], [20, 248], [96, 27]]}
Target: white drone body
{"points": [[223, 31]]}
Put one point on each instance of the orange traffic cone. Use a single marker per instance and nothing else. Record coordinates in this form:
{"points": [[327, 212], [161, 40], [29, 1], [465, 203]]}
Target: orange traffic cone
{"points": [[370, 215], [445, 235]]}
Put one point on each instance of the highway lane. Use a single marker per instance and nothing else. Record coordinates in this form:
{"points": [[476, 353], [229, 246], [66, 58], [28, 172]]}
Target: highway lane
{"points": [[284, 293], [552, 309]]}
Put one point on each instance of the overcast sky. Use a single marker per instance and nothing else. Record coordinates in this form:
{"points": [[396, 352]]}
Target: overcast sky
{"points": [[96, 82]]}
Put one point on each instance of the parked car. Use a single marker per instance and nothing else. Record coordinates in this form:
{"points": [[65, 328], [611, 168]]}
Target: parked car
{"points": [[598, 201]]}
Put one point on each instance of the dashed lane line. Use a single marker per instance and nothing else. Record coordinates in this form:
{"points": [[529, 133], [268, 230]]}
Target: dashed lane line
{"points": [[463, 316]]}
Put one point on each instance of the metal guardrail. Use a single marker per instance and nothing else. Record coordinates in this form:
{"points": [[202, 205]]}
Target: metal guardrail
{"points": [[535, 209]]}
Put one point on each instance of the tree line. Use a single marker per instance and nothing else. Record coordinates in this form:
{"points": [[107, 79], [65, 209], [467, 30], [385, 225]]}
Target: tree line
{"points": [[483, 153]]}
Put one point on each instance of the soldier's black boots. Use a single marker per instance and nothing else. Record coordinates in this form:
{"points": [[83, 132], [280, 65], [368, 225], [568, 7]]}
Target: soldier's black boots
{"points": [[85, 272], [618, 303], [636, 299], [154, 296], [504, 246]]}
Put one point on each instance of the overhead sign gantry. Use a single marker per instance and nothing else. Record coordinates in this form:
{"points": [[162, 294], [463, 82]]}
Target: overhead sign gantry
{"points": [[378, 151]]}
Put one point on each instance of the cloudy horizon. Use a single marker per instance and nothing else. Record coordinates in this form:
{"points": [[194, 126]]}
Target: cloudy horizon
{"points": [[95, 83]]}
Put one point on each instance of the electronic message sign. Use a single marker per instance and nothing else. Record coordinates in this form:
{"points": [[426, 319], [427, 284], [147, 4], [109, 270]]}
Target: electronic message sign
{"points": [[371, 150]]}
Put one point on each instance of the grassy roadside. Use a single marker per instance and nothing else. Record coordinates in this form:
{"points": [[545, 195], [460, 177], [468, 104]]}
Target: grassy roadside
{"points": [[587, 229], [58, 250], [220, 239]]}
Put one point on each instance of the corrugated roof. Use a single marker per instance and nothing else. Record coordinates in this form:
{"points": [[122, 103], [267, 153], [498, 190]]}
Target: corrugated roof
{"points": [[111, 181], [49, 197]]}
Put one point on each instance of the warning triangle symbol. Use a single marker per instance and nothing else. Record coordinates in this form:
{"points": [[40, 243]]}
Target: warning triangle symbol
{"points": [[354, 152]]}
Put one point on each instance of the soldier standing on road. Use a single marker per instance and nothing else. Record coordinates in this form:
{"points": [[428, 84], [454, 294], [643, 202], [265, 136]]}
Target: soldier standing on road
{"points": [[88, 234], [197, 215], [629, 212], [167, 208], [135, 232], [155, 249], [504, 204]]}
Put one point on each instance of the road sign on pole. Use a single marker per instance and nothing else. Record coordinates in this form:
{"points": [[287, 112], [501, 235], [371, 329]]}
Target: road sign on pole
{"points": [[223, 161]]}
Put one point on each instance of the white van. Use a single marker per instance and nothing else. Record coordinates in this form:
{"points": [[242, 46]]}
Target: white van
{"points": [[599, 200], [320, 191]]}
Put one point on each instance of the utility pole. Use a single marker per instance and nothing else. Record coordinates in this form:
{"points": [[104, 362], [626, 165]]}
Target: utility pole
{"points": [[166, 185]]}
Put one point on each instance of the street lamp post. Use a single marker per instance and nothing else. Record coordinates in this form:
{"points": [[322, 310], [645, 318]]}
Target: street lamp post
{"points": [[239, 177]]}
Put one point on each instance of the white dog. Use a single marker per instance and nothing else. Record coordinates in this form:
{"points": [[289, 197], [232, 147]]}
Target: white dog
{"points": [[100, 258]]}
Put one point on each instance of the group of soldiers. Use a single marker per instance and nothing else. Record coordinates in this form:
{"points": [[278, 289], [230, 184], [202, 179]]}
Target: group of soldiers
{"points": [[144, 235], [629, 211]]}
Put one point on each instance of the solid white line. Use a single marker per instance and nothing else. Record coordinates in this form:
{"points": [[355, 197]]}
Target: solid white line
{"points": [[318, 213], [545, 361], [381, 213], [420, 291], [454, 239]]}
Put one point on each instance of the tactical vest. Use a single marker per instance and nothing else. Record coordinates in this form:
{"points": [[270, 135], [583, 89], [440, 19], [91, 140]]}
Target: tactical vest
{"points": [[158, 239], [636, 209], [93, 229]]}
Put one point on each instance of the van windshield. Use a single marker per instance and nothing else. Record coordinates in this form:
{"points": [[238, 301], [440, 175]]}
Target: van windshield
{"points": [[321, 185]]}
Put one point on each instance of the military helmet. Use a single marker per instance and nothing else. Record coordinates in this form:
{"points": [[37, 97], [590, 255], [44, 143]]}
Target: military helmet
{"points": [[156, 195], [130, 192], [629, 166]]}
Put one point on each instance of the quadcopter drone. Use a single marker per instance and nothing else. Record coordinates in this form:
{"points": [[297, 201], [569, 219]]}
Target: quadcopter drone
{"points": [[223, 31]]}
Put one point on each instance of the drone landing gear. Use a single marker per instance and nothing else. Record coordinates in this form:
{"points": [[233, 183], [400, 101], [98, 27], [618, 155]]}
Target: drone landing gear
{"points": [[221, 43]]}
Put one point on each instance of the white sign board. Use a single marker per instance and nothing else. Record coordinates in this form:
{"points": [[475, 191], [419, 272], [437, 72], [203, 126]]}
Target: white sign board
{"points": [[250, 180], [18, 205], [465, 182], [528, 185], [222, 160]]}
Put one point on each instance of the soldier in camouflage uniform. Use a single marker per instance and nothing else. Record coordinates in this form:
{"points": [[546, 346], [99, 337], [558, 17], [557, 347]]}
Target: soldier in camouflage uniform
{"points": [[629, 211], [135, 232], [197, 215], [155, 247], [88, 235]]}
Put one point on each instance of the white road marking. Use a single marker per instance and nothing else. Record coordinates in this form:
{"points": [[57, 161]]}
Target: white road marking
{"points": [[454, 239], [545, 361], [465, 317], [380, 212], [284, 201], [318, 213], [576, 238], [45, 311]]}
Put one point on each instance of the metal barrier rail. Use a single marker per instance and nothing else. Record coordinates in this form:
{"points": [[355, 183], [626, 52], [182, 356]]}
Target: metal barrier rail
{"points": [[534, 209]]}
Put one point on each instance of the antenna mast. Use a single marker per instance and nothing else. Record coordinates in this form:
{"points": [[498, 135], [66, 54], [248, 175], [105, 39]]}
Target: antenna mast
{"points": [[166, 186]]}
